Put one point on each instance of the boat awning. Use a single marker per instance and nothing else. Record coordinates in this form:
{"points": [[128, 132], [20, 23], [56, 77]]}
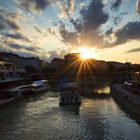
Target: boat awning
{"points": [[70, 85]]}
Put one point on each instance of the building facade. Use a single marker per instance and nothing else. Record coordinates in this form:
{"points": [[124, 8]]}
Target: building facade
{"points": [[22, 62]]}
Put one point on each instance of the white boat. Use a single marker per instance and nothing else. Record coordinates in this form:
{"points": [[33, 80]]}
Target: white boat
{"points": [[70, 95], [36, 86], [40, 86], [19, 90], [9, 72], [10, 76]]}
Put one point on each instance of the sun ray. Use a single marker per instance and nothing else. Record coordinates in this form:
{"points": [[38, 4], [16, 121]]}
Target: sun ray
{"points": [[79, 70]]}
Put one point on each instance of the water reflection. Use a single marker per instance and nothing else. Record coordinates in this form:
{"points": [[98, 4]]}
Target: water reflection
{"points": [[102, 90], [92, 90], [40, 117]]}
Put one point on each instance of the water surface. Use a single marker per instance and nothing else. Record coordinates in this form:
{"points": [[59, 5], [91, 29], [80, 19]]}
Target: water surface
{"points": [[41, 118]]}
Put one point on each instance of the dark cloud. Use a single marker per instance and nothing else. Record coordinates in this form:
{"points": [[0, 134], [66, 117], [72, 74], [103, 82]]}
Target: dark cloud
{"points": [[17, 36], [2, 22], [41, 30], [38, 29], [124, 13], [2, 26], [134, 50], [70, 37], [33, 5], [128, 32], [8, 19], [108, 32], [21, 47], [66, 7], [117, 20], [77, 24], [12, 24], [116, 4], [92, 17]]}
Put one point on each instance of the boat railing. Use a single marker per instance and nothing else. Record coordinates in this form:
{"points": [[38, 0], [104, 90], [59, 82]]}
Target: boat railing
{"points": [[11, 69]]}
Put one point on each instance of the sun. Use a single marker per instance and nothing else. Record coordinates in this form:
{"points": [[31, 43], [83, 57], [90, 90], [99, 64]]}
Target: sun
{"points": [[85, 52]]}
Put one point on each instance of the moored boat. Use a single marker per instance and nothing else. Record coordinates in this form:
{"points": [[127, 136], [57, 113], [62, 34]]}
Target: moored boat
{"points": [[70, 95], [128, 93], [40, 86]]}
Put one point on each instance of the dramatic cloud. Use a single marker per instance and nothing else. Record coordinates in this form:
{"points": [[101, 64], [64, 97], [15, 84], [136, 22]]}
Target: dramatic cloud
{"points": [[19, 47], [8, 19], [130, 31], [78, 25], [65, 7], [41, 27], [108, 32], [70, 37], [12, 24], [17, 36], [134, 50], [92, 17], [117, 20], [33, 5]]}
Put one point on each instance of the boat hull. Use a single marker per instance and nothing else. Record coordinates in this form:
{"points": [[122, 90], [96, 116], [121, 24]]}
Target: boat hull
{"points": [[41, 89], [70, 103]]}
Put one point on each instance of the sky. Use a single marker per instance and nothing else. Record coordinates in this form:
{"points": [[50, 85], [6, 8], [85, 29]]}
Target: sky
{"points": [[110, 29]]}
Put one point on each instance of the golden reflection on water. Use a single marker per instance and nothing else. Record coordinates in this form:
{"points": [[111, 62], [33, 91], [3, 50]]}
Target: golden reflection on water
{"points": [[101, 90], [87, 103]]}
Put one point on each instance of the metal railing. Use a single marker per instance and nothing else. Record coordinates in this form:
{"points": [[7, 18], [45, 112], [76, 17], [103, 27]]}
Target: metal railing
{"points": [[11, 69]]}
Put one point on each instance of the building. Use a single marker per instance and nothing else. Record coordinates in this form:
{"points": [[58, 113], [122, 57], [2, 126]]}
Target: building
{"points": [[71, 58], [22, 62], [57, 63]]}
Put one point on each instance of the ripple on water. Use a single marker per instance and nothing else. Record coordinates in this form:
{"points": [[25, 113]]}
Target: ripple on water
{"points": [[41, 118]]}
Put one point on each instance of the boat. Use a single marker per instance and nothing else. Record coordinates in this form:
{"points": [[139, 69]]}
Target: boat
{"points": [[11, 75], [35, 87], [128, 94], [40, 86], [19, 90], [70, 95]]}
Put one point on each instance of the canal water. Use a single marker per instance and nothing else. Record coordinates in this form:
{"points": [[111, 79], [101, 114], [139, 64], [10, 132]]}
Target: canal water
{"points": [[41, 118]]}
